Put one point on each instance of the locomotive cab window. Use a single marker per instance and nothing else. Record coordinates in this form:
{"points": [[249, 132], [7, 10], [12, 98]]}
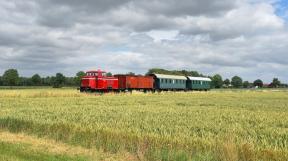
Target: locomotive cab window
{"points": [[104, 74], [91, 74]]}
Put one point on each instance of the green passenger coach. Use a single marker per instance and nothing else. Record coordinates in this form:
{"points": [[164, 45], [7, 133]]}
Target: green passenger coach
{"points": [[169, 82], [198, 83]]}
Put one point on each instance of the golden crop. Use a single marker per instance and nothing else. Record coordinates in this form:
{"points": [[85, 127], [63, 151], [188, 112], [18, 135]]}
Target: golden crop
{"points": [[215, 125]]}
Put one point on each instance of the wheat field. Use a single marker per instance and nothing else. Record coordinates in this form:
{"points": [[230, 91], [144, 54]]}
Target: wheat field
{"points": [[216, 125]]}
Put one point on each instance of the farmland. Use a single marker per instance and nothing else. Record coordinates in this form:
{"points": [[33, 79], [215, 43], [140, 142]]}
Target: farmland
{"points": [[215, 125]]}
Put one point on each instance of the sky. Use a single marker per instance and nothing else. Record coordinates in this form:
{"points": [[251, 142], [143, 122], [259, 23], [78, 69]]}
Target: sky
{"points": [[248, 38]]}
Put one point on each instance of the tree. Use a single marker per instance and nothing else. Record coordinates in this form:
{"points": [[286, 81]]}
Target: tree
{"points": [[78, 77], [70, 81], [109, 74], [258, 83], [58, 81], [23, 81], [130, 73], [284, 85], [246, 84], [236, 82], [275, 83], [36, 80], [47, 81], [1, 81], [217, 81], [227, 82], [10, 77]]}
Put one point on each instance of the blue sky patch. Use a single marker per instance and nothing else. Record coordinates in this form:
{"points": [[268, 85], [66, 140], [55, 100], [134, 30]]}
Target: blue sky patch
{"points": [[282, 8]]}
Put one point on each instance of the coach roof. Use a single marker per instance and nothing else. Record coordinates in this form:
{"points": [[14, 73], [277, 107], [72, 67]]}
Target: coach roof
{"points": [[200, 78], [164, 76]]}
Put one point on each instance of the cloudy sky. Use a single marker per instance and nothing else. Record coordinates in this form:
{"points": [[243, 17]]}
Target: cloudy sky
{"points": [[248, 38]]}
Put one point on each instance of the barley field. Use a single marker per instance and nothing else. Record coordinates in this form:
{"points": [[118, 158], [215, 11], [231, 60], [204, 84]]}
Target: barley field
{"points": [[244, 125]]}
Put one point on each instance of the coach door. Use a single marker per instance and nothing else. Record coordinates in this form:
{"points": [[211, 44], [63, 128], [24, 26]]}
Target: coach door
{"points": [[109, 84]]}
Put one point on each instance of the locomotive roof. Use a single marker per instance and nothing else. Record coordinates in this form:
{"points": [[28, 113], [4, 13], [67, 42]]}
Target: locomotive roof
{"points": [[95, 71], [200, 78], [170, 76]]}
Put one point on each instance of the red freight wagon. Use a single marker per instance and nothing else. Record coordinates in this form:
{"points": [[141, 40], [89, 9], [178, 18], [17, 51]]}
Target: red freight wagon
{"points": [[131, 82], [98, 81]]}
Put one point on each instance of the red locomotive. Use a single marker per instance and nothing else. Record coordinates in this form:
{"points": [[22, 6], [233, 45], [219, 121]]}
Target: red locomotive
{"points": [[98, 81]]}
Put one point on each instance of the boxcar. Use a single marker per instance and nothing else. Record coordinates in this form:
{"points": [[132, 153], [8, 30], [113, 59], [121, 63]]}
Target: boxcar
{"points": [[169, 82], [132, 82], [198, 83]]}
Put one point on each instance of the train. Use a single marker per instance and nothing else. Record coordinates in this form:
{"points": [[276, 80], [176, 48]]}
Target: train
{"points": [[100, 81]]}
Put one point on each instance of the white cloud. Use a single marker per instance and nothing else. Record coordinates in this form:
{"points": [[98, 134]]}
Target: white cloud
{"points": [[159, 35], [242, 37]]}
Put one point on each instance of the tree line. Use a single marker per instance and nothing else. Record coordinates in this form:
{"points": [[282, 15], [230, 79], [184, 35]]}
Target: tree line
{"points": [[237, 82], [12, 78]]}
